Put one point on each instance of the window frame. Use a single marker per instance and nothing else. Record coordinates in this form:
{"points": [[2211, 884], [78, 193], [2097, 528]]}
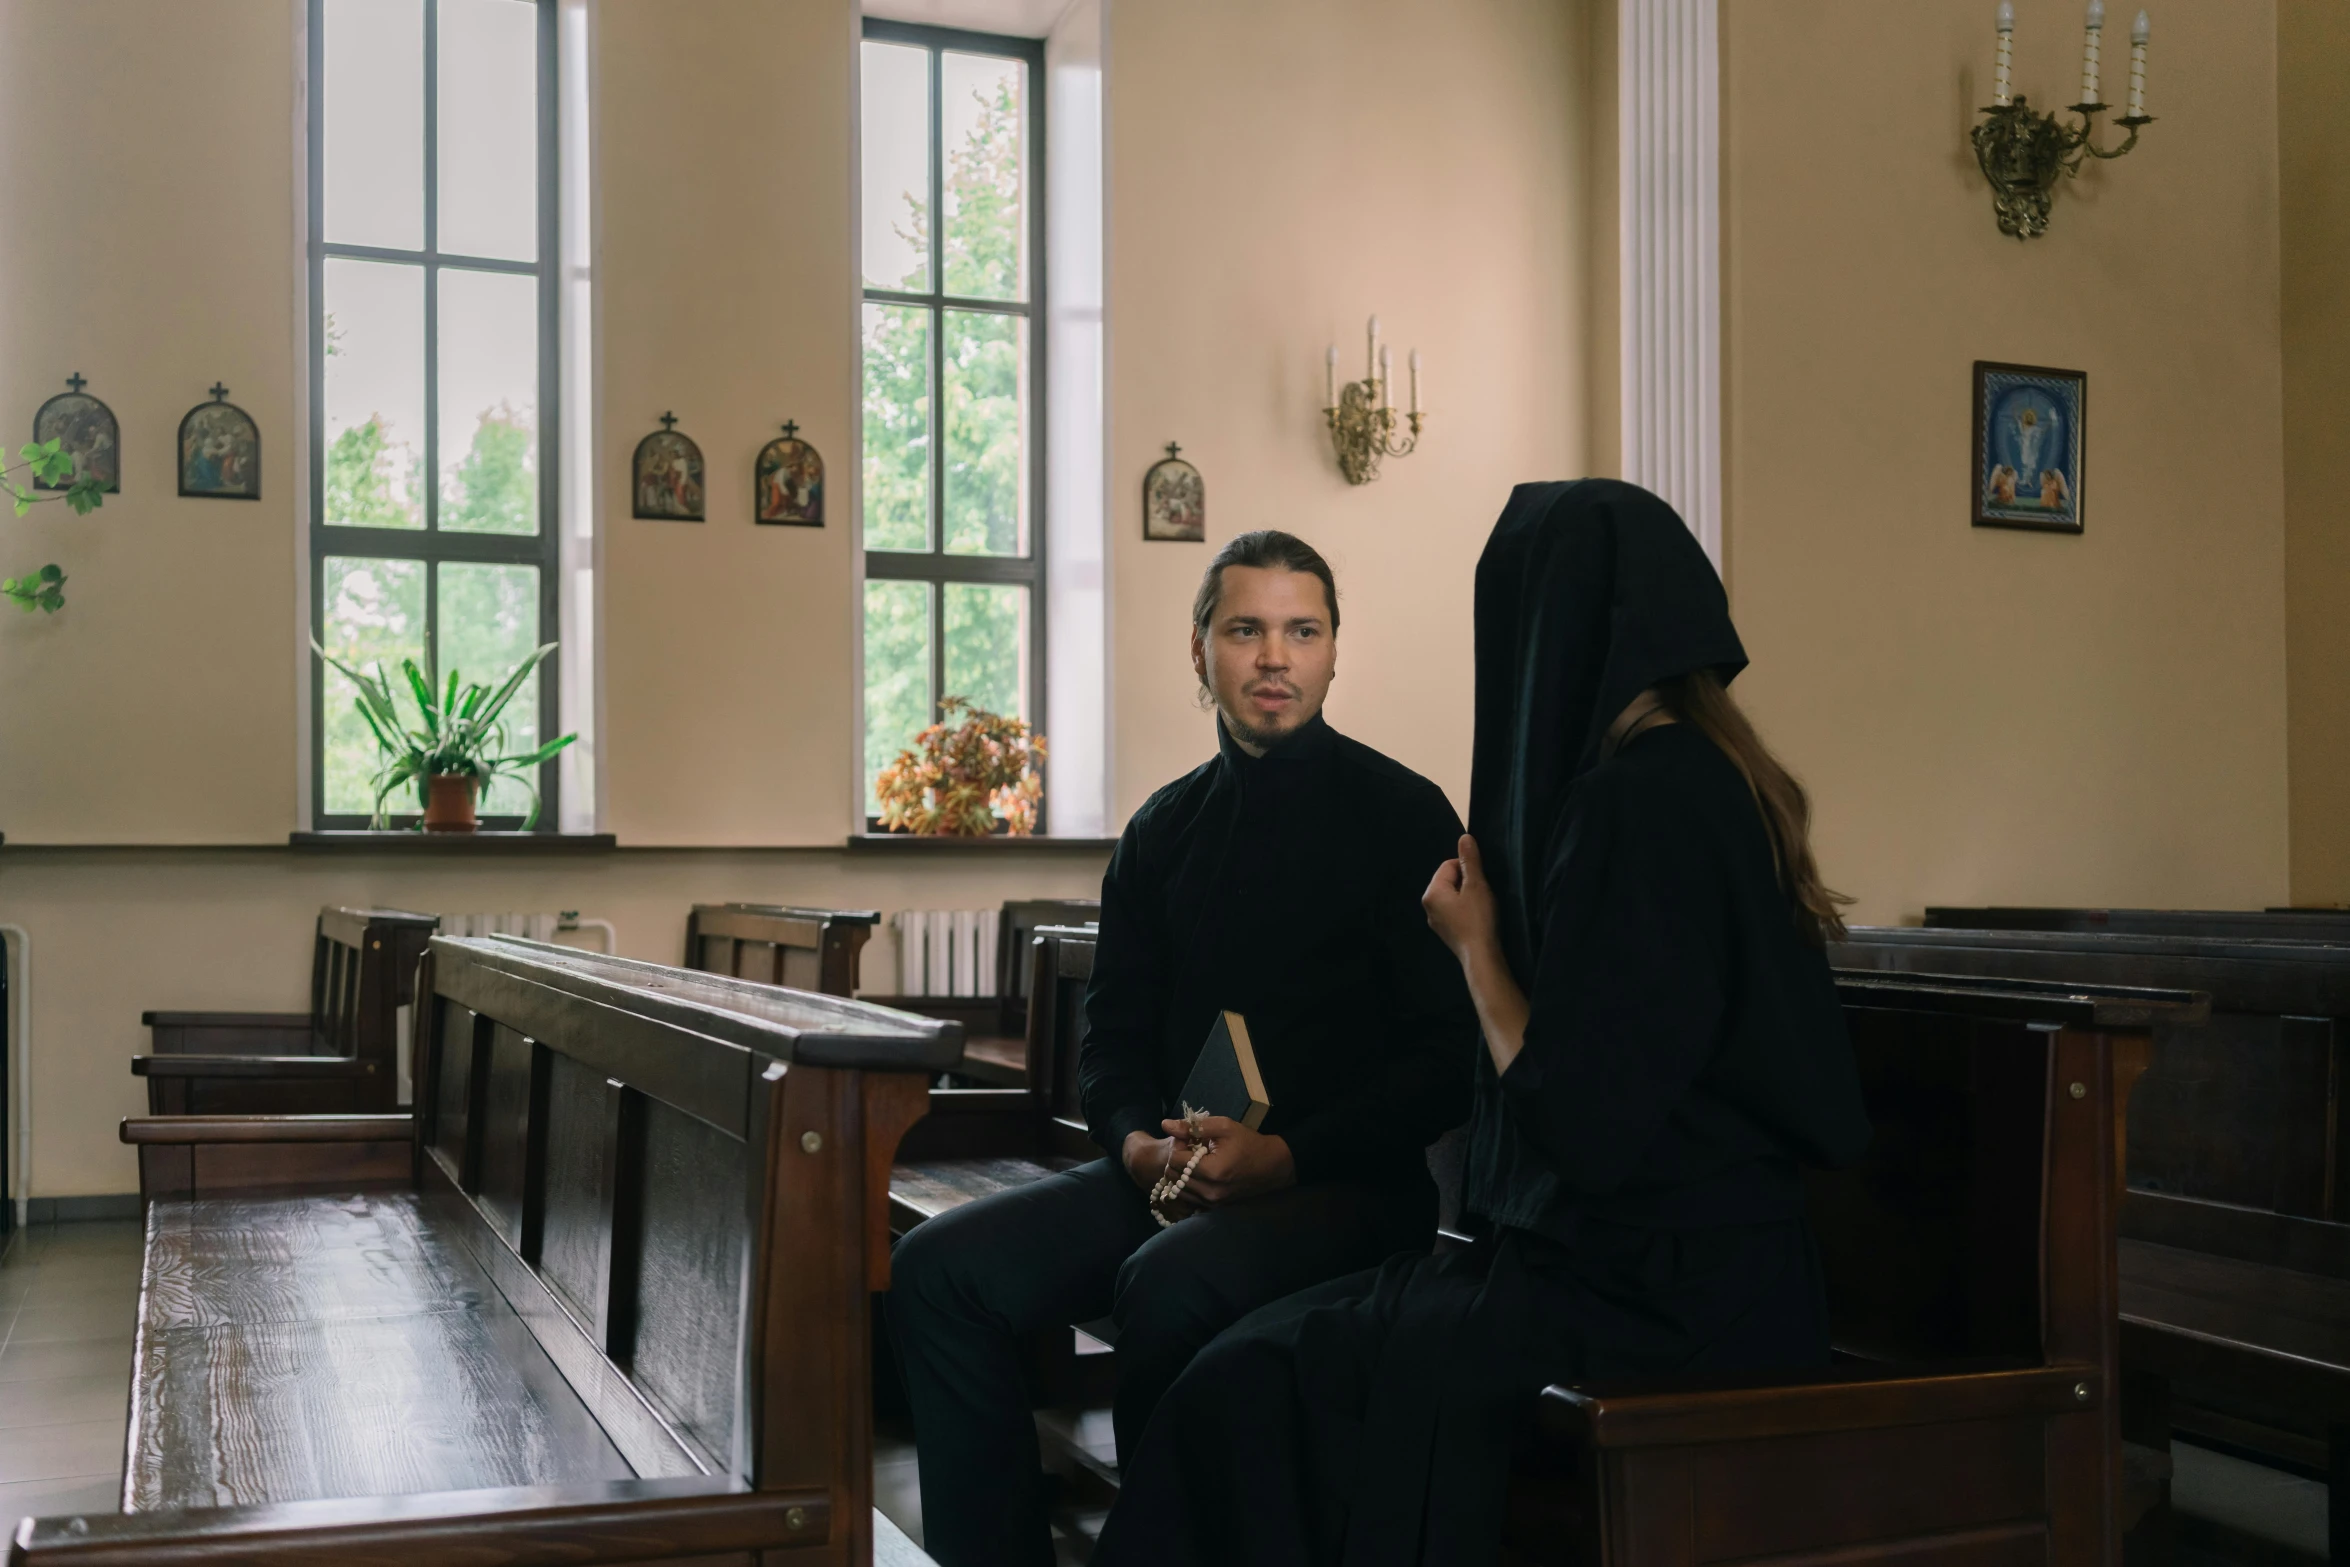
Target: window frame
{"points": [[934, 566], [430, 544]]}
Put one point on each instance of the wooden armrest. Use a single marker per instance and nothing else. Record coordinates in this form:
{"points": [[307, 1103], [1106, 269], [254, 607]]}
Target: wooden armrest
{"points": [[268, 1128], [1862, 1399], [251, 1066], [621, 1521], [300, 1020]]}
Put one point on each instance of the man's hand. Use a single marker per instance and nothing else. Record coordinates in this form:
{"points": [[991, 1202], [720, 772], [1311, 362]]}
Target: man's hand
{"points": [[1148, 1159], [1244, 1163], [1459, 904]]}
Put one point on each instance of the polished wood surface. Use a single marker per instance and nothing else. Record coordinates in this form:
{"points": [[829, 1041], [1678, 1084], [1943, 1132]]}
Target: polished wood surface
{"points": [[362, 984], [779, 944], [641, 1216]]}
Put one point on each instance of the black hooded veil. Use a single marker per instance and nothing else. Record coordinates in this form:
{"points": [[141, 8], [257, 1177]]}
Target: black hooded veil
{"points": [[1636, 1169]]}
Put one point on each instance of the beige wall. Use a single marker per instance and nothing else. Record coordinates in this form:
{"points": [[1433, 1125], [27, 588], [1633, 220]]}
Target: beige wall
{"points": [[726, 292], [2313, 141], [1993, 716], [1277, 174], [147, 159]]}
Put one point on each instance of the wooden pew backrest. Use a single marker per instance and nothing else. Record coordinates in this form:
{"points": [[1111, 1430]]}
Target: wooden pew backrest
{"points": [[350, 1054], [2328, 925], [2243, 1109], [776, 944]]}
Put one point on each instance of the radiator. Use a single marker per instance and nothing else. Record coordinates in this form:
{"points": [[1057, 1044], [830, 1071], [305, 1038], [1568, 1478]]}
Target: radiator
{"points": [[946, 952]]}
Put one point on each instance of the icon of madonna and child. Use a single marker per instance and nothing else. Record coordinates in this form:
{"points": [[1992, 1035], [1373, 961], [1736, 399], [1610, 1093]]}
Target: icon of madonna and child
{"points": [[2028, 447]]}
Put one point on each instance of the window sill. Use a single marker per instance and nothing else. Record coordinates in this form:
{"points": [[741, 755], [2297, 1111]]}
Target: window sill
{"points": [[453, 842], [999, 843]]}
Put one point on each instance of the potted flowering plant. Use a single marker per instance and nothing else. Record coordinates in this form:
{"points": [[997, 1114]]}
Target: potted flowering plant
{"points": [[455, 750], [961, 781]]}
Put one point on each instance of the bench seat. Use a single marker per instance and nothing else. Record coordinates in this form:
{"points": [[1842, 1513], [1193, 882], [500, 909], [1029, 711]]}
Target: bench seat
{"points": [[2273, 1335], [298, 1348], [927, 1189]]}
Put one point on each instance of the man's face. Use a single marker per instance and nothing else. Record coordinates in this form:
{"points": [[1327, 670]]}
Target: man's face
{"points": [[1267, 655]]}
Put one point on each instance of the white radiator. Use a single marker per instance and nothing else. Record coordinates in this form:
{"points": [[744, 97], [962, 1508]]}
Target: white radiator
{"points": [[946, 952]]}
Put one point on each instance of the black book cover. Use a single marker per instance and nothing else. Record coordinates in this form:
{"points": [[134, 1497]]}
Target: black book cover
{"points": [[1225, 1080]]}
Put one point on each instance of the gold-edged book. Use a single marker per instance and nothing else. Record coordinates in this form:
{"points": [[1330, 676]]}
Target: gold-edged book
{"points": [[1225, 1080]]}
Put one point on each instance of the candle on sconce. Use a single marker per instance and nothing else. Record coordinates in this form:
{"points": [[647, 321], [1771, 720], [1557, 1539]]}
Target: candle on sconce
{"points": [[1415, 382], [1386, 369], [1330, 378], [2090, 51], [1371, 360], [2002, 78], [2140, 31]]}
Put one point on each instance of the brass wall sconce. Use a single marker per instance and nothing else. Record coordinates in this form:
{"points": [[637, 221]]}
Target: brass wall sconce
{"points": [[2023, 153], [1362, 420]]}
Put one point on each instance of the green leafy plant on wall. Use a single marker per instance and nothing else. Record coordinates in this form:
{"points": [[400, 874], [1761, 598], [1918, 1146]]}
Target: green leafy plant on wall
{"points": [[458, 731], [45, 463]]}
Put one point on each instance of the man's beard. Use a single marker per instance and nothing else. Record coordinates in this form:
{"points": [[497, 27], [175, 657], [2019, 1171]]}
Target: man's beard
{"points": [[1251, 734]]}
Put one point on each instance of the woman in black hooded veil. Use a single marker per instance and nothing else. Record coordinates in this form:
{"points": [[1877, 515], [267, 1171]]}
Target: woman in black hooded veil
{"points": [[1641, 924]]}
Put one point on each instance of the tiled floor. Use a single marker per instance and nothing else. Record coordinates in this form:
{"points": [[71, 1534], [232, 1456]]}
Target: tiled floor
{"points": [[68, 1303]]}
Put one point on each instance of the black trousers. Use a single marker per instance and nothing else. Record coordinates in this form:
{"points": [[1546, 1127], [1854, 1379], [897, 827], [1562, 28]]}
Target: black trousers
{"points": [[967, 1285]]}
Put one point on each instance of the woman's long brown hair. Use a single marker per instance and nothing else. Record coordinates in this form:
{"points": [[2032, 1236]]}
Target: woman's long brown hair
{"points": [[1700, 699]]}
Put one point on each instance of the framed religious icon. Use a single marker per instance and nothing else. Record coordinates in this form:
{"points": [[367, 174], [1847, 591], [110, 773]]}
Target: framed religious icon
{"points": [[1174, 500], [220, 451], [665, 478], [2031, 429], [788, 482], [85, 430]]}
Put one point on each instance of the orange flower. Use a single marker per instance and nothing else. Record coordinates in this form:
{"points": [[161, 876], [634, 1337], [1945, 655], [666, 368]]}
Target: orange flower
{"points": [[962, 781]]}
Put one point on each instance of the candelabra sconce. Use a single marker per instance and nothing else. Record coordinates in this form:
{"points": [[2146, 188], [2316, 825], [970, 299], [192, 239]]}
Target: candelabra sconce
{"points": [[2023, 153], [1362, 419]]}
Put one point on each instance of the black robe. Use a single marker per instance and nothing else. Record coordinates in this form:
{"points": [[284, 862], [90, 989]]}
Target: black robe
{"points": [[1638, 1163], [1286, 888]]}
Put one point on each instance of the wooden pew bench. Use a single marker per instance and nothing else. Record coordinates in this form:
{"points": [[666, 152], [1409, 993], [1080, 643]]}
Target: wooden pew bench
{"points": [[1969, 1260], [995, 1028], [805, 949], [342, 1056], [603, 1298], [2234, 1221]]}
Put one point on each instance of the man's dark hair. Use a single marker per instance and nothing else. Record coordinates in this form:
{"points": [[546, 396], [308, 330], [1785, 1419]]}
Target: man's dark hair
{"points": [[1267, 547]]}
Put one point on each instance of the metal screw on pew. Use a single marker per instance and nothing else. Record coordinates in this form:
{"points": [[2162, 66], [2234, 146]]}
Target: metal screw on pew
{"points": [[2080, 1090], [2081, 1392], [811, 1141], [796, 1518]]}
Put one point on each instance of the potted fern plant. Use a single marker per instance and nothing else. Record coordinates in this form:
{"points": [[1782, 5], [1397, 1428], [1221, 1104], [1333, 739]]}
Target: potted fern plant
{"points": [[457, 747]]}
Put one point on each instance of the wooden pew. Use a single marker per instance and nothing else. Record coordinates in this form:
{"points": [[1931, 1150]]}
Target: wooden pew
{"points": [[343, 1056], [2235, 1253], [2326, 925], [995, 1028], [1970, 1267], [977, 1141], [611, 1306], [806, 949]]}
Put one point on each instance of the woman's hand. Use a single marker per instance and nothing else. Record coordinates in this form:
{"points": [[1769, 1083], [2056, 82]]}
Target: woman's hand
{"points": [[1459, 904], [1242, 1164]]}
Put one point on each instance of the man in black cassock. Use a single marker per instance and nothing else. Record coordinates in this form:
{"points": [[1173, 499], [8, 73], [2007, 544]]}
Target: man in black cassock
{"points": [[1282, 881]]}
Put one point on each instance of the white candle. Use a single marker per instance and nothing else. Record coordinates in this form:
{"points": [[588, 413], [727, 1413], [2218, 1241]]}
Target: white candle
{"points": [[1371, 360], [2140, 31], [1330, 378], [2089, 52], [2000, 73], [1386, 365], [1415, 381]]}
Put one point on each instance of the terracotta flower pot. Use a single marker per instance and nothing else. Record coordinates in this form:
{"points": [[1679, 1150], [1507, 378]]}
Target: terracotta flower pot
{"points": [[448, 804]]}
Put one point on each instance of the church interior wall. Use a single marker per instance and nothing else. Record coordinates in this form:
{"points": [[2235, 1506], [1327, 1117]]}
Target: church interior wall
{"points": [[2313, 153], [1982, 715], [1990, 716]]}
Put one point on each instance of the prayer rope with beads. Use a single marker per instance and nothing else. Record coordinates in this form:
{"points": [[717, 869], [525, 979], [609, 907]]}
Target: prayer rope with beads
{"points": [[1171, 1185]]}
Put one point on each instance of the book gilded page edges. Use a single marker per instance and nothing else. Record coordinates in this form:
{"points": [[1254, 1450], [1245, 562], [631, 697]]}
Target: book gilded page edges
{"points": [[1244, 1051]]}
